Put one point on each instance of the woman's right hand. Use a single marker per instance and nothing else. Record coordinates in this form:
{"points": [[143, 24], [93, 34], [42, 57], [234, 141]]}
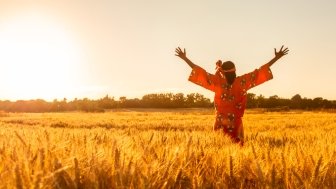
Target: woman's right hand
{"points": [[180, 53]]}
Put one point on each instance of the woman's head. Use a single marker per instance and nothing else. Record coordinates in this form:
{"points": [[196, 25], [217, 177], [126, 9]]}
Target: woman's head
{"points": [[229, 71]]}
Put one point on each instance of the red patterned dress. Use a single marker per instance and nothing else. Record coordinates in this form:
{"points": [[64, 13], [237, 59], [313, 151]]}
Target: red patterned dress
{"points": [[230, 100]]}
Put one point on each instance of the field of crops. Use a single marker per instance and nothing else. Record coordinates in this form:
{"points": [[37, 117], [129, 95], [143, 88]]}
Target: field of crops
{"points": [[166, 149]]}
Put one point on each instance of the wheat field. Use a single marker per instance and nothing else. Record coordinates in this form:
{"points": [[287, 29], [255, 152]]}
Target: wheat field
{"points": [[166, 149]]}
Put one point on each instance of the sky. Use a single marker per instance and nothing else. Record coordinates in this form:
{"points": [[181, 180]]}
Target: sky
{"points": [[70, 48]]}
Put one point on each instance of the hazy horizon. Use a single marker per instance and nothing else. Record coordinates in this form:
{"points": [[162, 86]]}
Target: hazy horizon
{"points": [[140, 97]]}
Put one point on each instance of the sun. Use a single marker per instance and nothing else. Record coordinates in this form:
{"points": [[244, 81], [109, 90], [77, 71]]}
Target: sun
{"points": [[38, 58]]}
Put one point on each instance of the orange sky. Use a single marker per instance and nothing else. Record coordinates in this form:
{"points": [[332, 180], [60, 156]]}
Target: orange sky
{"points": [[56, 49]]}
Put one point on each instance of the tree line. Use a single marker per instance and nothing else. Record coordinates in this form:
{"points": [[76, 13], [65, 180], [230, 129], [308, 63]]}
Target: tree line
{"points": [[161, 100], [296, 102]]}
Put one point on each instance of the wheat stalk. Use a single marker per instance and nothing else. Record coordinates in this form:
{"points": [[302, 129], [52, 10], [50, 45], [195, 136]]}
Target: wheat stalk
{"points": [[21, 139], [314, 178], [18, 177], [77, 174]]}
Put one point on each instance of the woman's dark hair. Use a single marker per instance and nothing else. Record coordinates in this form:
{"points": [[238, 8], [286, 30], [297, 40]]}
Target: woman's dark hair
{"points": [[230, 76]]}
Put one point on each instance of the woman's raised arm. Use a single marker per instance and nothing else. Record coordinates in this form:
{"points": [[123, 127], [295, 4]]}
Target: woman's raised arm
{"points": [[278, 55], [183, 56]]}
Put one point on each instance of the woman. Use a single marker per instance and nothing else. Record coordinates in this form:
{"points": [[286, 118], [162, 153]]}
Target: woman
{"points": [[230, 91]]}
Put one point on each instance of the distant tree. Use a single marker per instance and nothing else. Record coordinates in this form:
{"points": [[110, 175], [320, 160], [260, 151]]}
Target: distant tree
{"points": [[273, 101], [260, 101], [251, 100], [107, 102], [296, 102], [327, 104], [179, 100], [133, 103], [201, 101], [190, 101], [318, 102]]}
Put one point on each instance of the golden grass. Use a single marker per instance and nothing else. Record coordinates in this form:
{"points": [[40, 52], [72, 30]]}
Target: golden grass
{"points": [[166, 149]]}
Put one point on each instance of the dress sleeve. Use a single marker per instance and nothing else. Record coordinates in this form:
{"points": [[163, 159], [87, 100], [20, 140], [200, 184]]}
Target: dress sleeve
{"points": [[256, 77], [200, 77]]}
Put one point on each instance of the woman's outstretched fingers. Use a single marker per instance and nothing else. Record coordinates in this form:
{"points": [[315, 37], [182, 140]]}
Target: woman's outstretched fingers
{"points": [[180, 53]]}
